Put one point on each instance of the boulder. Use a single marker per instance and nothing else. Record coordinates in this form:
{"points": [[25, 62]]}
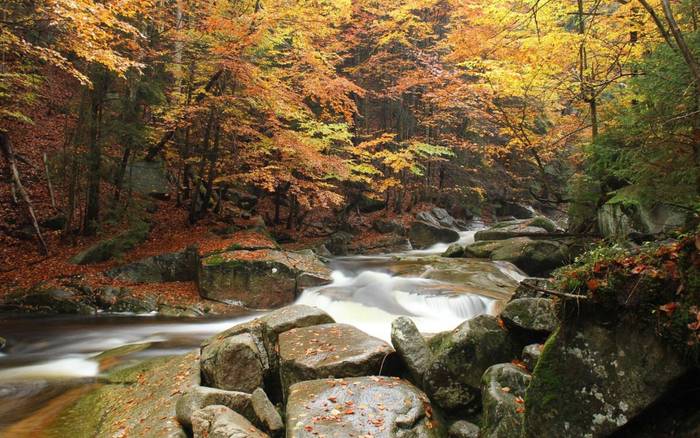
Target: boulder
{"points": [[453, 251], [503, 391], [531, 317], [411, 347], [389, 226], [438, 217], [337, 244], [330, 350], [531, 355], [259, 279], [463, 429], [55, 223], [177, 266], [378, 407], [535, 257], [264, 331], [517, 228], [199, 397], [531, 288], [235, 364], [114, 247], [147, 178], [618, 220], [453, 379], [49, 300], [518, 211], [269, 419], [218, 421], [424, 234], [594, 376]]}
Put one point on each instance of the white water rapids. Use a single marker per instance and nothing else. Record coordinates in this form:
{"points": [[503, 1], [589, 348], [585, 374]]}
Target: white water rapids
{"points": [[45, 356]]}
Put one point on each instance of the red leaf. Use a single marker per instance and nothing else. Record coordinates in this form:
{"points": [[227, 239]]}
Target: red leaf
{"points": [[669, 308]]}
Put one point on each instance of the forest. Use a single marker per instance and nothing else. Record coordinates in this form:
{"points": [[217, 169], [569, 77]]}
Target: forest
{"points": [[267, 218]]}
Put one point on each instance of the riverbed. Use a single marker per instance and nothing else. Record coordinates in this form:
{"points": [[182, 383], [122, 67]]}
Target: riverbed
{"points": [[47, 359]]}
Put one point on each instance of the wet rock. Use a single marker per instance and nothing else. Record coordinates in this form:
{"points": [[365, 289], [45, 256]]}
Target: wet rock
{"points": [[453, 380], [380, 407], [503, 391], [269, 419], [532, 288], [517, 228], [463, 429], [595, 376], [423, 234], [531, 317], [535, 257], [221, 422], [329, 350], [235, 364], [531, 355], [126, 303], [454, 250], [199, 397], [438, 217], [265, 332], [411, 347], [177, 266], [258, 279]]}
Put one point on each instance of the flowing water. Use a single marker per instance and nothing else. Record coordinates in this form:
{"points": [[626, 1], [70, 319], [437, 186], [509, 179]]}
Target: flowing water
{"points": [[48, 357]]}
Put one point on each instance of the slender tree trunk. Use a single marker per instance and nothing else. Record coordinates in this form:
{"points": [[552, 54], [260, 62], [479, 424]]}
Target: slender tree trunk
{"points": [[7, 151], [48, 182]]}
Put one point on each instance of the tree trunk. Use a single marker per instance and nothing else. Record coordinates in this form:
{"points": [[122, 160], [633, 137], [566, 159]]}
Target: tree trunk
{"points": [[6, 147]]}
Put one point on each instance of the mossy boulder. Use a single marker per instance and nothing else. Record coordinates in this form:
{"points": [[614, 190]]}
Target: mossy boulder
{"points": [[147, 178], [177, 266], [595, 376], [454, 250], [503, 391], [114, 247], [379, 407], [411, 347], [534, 256], [44, 299], [258, 279], [453, 379], [531, 355], [463, 429], [531, 317], [330, 350], [517, 228], [146, 409]]}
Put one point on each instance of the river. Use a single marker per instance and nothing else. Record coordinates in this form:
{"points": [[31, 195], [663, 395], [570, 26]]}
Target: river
{"points": [[46, 357]]}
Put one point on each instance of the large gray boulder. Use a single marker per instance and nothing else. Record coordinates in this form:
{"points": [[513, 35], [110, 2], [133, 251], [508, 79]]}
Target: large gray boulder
{"points": [[266, 413], [595, 376], [264, 332], [259, 279], [199, 397], [530, 317], [147, 178], [503, 391], [221, 422], [235, 364], [329, 350], [113, 247], [437, 216], [453, 380], [411, 347], [379, 407], [531, 355], [177, 266]]}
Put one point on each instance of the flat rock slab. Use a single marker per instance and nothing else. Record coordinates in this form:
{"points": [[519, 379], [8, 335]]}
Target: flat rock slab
{"points": [[359, 407], [329, 350]]}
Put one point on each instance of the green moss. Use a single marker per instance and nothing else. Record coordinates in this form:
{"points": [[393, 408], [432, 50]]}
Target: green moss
{"points": [[130, 372], [81, 419], [547, 376], [544, 223]]}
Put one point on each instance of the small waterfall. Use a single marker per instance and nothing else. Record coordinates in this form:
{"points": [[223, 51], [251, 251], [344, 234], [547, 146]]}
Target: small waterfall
{"points": [[370, 300]]}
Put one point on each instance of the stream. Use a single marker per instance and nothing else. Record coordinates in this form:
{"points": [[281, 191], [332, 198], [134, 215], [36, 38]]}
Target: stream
{"points": [[47, 357]]}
